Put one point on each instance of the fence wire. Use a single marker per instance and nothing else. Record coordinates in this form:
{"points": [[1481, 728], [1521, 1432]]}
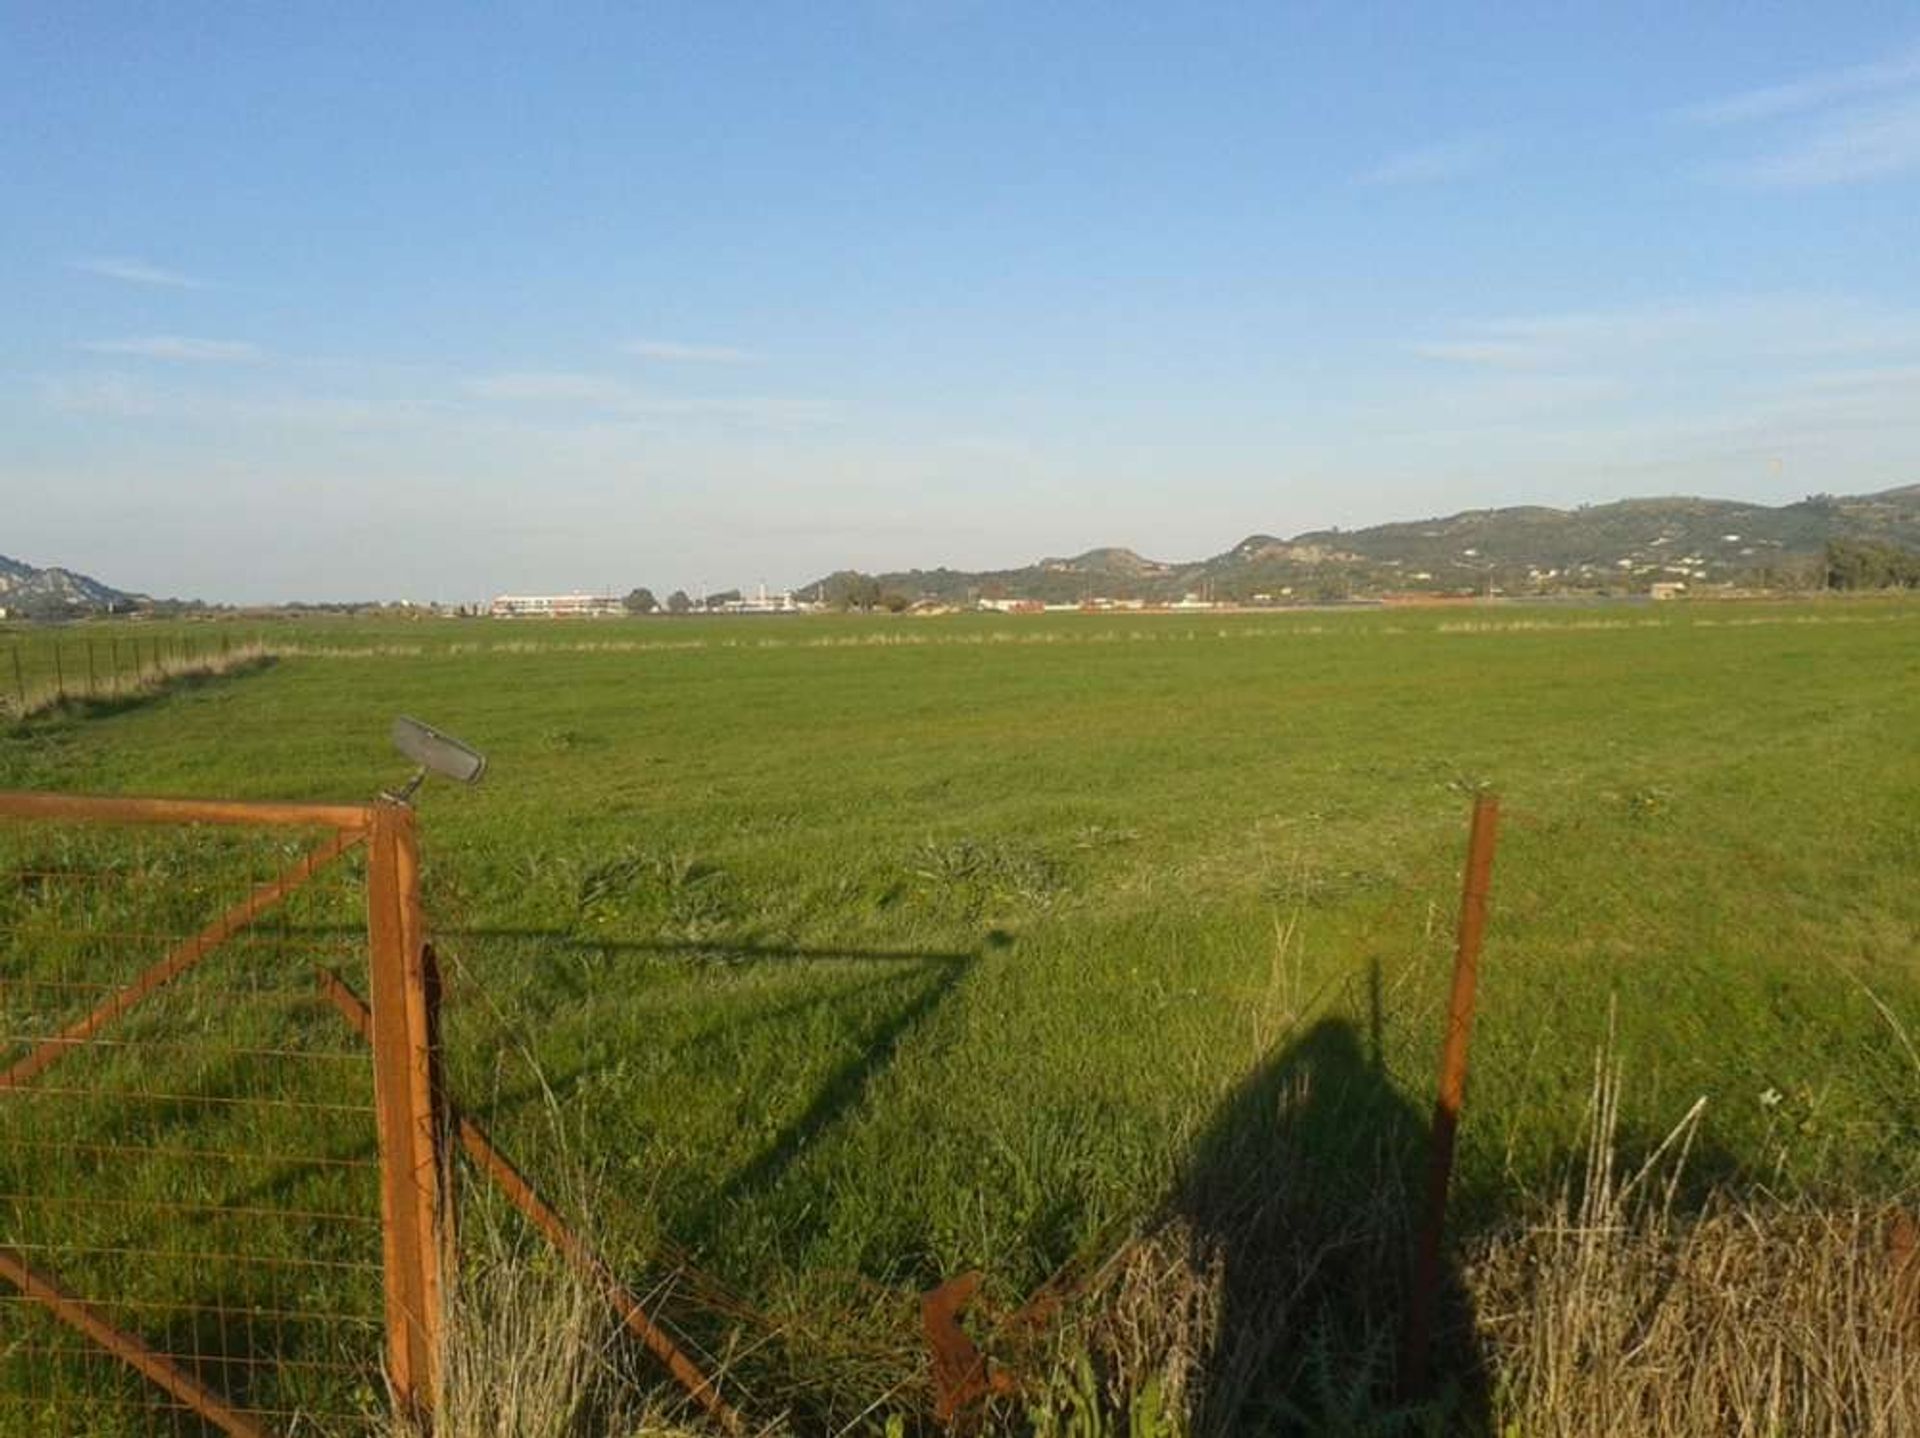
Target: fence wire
{"points": [[200, 1169], [38, 671]]}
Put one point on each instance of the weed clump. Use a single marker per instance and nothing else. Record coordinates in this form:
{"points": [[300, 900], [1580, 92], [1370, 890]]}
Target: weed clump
{"points": [[670, 893], [976, 875]]}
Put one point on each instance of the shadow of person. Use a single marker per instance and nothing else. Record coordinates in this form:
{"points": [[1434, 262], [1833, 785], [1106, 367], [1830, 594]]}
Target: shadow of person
{"points": [[1298, 1201]]}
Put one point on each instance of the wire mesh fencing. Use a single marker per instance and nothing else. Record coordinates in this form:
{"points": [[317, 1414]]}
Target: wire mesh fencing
{"points": [[226, 1151], [40, 671], [191, 1196]]}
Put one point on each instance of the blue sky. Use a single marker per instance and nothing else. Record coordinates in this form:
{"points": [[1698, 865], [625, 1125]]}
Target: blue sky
{"points": [[433, 302]]}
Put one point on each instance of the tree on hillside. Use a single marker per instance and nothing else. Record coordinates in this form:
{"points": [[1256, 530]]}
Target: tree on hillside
{"points": [[641, 601], [853, 590], [1864, 564], [678, 603]]}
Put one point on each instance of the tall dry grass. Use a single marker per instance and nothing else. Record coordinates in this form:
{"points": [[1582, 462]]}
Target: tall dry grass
{"points": [[533, 1350], [1750, 1317], [155, 677], [528, 1349], [1612, 1309]]}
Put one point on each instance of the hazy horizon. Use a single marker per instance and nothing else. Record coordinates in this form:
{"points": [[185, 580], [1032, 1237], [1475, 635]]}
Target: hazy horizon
{"points": [[748, 586], [337, 303]]}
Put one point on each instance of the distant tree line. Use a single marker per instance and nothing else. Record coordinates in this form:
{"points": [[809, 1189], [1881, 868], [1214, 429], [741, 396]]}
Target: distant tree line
{"points": [[641, 601], [850, 589], [846, 590], [1867, 564]]}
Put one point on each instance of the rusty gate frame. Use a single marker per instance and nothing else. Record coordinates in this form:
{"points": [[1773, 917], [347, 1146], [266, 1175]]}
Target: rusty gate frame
{"points": [[415, 1120], [410, 1120]]}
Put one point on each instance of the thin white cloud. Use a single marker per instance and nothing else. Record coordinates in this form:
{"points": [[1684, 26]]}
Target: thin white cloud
{"points": [[674, 352], [1810, 92], [174, 401], [1860, 143], [1431, 164], [770, 411], [547, 386], [1763, 329], [1687, 385], [177, 348], [137, 272], [1881, 377], [113, 395], [620, 401], [1834, 127], [1491, 353]]}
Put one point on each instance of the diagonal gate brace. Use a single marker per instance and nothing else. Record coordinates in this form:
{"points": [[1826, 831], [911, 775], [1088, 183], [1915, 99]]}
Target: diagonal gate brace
{"points": [[521, 1193], [77, 1313], [41, 1288], [181, 958]]}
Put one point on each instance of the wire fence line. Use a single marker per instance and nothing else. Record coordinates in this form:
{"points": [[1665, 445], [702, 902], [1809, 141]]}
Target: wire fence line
{"points": [[43, 672]]}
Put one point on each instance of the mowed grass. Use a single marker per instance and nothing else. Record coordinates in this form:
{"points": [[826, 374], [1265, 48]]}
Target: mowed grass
{"points": [[851, 954]]}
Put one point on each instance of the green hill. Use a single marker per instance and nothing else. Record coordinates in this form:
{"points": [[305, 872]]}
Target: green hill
{"points": [[1626, 546]]}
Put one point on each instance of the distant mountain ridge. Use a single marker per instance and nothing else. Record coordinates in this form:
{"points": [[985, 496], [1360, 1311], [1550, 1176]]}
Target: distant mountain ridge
{"points": [[55, 593], [1630, 544]]}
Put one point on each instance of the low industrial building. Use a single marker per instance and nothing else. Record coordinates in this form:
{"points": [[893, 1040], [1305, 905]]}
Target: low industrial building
{"points": [[555, 606]]}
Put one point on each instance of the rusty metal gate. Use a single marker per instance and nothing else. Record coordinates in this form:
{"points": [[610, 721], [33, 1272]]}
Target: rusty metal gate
{"points": [[216, 1214]]}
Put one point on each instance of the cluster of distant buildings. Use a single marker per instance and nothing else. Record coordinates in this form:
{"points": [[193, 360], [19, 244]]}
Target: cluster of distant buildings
{"points": [[555, 606], [764, 601], [1661, 580], [1100, 603], [596, 606]]}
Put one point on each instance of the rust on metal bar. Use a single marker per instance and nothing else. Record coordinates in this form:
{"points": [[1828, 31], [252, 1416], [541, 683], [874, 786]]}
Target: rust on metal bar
{"points": [[1903, 1253], [426, 1123], [1424, 1297], [183, 957], [409, 1247], [77, 1313], [347, 1002], [93, 809], [962, 1376], [523, 1196]]}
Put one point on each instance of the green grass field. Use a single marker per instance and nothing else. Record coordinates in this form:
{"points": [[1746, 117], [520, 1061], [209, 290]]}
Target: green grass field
{"points": [[852, 954]]}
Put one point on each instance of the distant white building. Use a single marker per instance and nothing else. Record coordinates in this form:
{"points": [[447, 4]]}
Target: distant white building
{"points": [[555, 606], [761, 602]]}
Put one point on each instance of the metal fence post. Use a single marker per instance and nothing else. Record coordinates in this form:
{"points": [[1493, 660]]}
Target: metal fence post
{"points": [[413, 1173], [1423, 1299]]}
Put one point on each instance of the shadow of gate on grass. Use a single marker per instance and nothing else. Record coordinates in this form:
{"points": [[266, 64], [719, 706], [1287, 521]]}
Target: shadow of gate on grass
{"points": [[910, 987], [1299, 1197], [917, 982]]}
